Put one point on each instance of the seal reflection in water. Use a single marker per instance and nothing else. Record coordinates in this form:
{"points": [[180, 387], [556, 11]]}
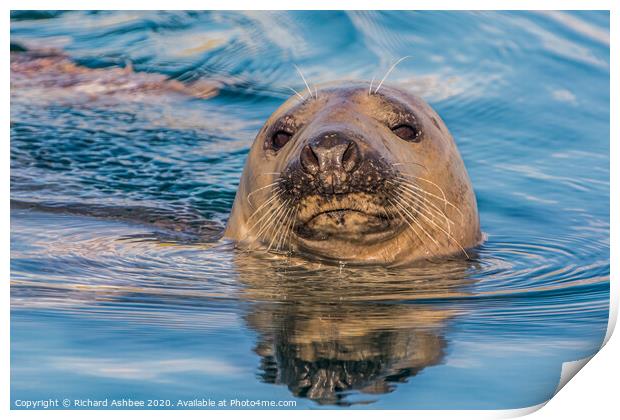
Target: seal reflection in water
{"points": [[354, 175], [364, 348], [342, 337]]}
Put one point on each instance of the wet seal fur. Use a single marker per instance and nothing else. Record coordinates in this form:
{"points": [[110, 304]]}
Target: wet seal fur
{"points": [[352, 175]]}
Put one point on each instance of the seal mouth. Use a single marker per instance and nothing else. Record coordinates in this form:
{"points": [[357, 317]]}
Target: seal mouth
{"points": [[351, 217]]}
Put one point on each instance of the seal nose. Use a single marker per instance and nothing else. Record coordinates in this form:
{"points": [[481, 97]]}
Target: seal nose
{"points": [[330, 152]]}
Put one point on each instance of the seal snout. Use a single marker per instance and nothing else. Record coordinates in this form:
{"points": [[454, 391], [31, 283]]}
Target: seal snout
{"points": [[330, 157]]}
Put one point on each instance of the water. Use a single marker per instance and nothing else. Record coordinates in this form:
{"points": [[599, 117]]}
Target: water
{"points": [[120, 189]]}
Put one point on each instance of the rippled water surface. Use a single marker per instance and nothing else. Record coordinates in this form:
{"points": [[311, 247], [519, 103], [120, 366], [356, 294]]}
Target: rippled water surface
{"points": [[126, 153]]}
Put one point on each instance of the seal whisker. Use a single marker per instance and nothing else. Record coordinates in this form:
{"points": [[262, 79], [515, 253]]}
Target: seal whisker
{"points": [[389, 215], [410, 163], [273, 197], [247, 197], [406, 220], [268, 173], [417, 187], [289, 226], [430, 182], [433, 213], [414, 191], [277, 239], [290, 229], [304, 79], [270, 209], [435, 185], [297, 93], [266, 224], [289, 219], [425, 202], [446, 233], [267, 211], [409, 186], [274, 227], [263, 221], [417, 191], [370, 87], [415, 220], [390, 71], [282, 217]]}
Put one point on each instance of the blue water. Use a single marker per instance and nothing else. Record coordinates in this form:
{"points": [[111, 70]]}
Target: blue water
{"points": [[120, 288]]}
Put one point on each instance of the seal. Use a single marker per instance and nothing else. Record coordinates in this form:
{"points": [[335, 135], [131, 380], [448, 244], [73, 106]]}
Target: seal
{"points": [[349, 174]]}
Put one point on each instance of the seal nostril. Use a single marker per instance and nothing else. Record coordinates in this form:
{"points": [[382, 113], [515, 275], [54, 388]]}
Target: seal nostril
{"points": [[330, 152], [351, 157], [309, 160]]}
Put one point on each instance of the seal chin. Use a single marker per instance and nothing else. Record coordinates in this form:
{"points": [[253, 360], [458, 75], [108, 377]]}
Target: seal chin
{"points": [[348, 217]]}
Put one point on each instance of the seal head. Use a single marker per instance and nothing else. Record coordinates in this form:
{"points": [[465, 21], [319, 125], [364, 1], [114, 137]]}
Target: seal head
{"points": [[351, 175]]}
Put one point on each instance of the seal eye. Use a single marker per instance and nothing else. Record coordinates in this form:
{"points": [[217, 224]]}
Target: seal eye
{"points": [[280, 138], [407, 132]]}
